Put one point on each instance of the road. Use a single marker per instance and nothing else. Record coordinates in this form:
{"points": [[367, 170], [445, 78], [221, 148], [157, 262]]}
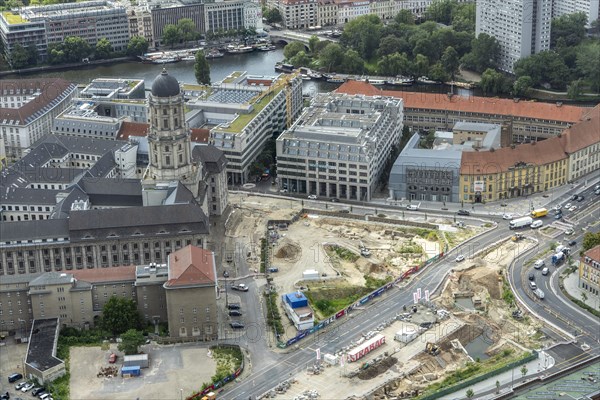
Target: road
{"points": [[340, 335]]}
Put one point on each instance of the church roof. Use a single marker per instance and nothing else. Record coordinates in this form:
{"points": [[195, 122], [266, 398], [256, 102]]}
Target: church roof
{"points": [[165, 85]]}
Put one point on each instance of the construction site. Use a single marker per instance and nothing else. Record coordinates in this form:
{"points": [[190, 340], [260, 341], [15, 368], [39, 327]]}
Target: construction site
{"points": [[470, 326]]}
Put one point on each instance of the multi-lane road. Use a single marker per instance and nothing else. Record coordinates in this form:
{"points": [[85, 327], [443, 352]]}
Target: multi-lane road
{"points": [[270, 369]]}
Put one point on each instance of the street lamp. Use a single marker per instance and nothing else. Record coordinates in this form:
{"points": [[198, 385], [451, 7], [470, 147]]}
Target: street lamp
{"points": [[180, 394]]}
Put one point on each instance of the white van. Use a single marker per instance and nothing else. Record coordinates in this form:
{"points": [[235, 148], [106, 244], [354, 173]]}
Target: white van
{"points": [[536, 224], [538, 264], [545, 271]]}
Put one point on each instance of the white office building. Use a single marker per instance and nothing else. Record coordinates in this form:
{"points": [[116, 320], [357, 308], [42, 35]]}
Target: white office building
{"points": [[339, 146], [521, 27]]}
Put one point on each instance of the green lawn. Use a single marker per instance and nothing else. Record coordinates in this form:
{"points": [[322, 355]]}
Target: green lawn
{"points": [[13, 18], [242, 120]]}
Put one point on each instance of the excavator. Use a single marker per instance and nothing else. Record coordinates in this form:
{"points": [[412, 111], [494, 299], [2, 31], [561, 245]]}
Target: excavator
{"points": [[432, 348], [516, 237]]}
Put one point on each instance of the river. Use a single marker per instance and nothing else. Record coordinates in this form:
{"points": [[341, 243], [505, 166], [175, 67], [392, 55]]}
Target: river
{"points": [[255, 63]]}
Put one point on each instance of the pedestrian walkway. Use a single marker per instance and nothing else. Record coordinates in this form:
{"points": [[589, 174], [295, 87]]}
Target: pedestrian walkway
{"points": [[507, 379], [571, 284]]}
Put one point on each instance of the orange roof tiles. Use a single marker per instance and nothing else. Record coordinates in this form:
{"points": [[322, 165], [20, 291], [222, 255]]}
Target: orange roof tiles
{"points": [[191, 266], [132, 129], [473, 104], [111, 274], [584, 133], [593, 253]]}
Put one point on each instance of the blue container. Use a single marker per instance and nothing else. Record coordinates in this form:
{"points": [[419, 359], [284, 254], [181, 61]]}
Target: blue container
{"points": [[133, 370]]}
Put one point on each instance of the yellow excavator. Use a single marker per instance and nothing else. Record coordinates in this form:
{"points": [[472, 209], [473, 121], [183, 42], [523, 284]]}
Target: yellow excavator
{"points": [[516, 237]]}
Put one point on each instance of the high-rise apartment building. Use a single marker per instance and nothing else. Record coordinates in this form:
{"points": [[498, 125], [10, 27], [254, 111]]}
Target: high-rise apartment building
{"points": [[591, 8], [521, 27]]}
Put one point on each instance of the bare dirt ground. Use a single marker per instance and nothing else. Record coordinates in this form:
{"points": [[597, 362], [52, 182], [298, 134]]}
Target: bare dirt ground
{"points": [[172, 368]]}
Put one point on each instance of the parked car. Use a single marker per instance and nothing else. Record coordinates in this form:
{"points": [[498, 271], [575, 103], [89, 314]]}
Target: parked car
{"points": [[283, 191], [531, 276], [463, 212], [236, 325], [335, 200], [233, 306], [37, 391], [225, 274], [344, 211], [14, 377], [112, 358], [273, 269], [312, 196], [412, 207], [240, 288], [235, 313], [19, 385], [460, 258], [572, 243], [27, 387]]}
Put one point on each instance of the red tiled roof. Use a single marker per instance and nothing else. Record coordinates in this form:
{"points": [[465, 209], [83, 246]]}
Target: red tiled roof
{"points": [[123, 273], [50, 89], [593, 253], [584, 133], [132, 129], [128, 129], [473, 104], [491, 162], [191, 266], [200, 135]]}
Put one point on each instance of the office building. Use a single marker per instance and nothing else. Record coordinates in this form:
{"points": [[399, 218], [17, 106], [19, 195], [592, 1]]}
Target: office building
{"points": [[164, 14], [521, 27], [140, 23], [339, 146], [296, 14], [243, 112], [28, 108]]}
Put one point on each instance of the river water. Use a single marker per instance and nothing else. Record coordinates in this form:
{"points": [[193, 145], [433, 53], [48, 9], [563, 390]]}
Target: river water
{"points": [[255, 63]]}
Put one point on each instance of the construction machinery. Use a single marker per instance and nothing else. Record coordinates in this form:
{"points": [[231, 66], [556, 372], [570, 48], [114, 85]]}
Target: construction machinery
{"points": [[517, 236], [432, 348]]}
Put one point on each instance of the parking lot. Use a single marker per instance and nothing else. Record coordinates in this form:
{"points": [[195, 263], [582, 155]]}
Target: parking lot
{"points": [[175, 372], [11, 361]]}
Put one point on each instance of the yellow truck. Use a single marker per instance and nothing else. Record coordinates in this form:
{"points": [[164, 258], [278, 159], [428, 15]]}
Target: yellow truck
{"points": [[540, 212]]}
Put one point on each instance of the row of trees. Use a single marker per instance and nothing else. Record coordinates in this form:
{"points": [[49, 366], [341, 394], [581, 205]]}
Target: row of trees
{"points": [[73, 49]]}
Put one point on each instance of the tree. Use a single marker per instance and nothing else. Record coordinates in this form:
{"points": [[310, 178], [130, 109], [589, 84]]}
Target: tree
{"points": [[470, 393], [131, 340], [544, 67], [405, 17], [522, 86], [440, 11], [463, 17], [19, 58], [313, 44], [570, 27], [171, 35], [352, 63], [363, 35], [590, 240], [76, 49], [187, 30], [33, 54], [103, 49], [202, 69], [137, 46], [331, 56], [492, 81], [301, 59], [484, 53], [450, 61], [293, 48], [390, 45], [575, 89], [588, 62], [437, 72], [524, 371], [394, 64], [119, 315], [420, 65], [272, 16], [584, 297]]}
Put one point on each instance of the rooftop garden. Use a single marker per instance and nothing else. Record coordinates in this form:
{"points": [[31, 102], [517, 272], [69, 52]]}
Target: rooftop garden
{"points": [[232, 77], [242, 120], [13, 18]]}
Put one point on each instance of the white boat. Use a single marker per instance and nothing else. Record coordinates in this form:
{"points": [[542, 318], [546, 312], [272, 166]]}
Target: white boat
{"points": [[305, 77], [376, 82], [425, 80], [165, 60], [400, 82], [336, 79], [188, 58], [267, 48], [239, 49], [213, 54]]}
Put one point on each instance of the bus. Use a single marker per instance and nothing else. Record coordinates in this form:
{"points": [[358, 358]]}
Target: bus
{"points": [[540, 212]]}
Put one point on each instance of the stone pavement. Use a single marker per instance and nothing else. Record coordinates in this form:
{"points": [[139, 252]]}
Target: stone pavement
{"points": [[571, 284]]}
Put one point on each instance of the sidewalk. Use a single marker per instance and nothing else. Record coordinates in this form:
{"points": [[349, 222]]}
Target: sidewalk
{"points": [[571, 284], [506, 379]]}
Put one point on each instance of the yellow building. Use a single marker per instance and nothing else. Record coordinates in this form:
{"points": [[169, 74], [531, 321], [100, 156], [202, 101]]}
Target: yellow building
{"points": [[589, 271]]}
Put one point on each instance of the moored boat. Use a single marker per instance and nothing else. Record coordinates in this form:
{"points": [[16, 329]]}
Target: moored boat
{"points": [[376, 82], [425, 80], [213, 54], [336, 79], [239, 49], [281, 67]]}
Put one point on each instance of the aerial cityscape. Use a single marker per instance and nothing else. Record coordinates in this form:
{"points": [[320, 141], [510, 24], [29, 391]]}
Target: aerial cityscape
{"points": [[297, 199]]}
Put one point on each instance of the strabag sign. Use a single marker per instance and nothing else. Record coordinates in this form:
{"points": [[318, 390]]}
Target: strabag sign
{"points": [[366, 347]]}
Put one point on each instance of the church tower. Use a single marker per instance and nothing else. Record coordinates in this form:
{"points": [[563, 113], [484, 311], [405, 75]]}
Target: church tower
{"points": [[169, 139]]}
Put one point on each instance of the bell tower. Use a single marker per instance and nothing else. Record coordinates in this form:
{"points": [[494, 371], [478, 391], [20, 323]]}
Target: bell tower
{"points": [[169, 137]]}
